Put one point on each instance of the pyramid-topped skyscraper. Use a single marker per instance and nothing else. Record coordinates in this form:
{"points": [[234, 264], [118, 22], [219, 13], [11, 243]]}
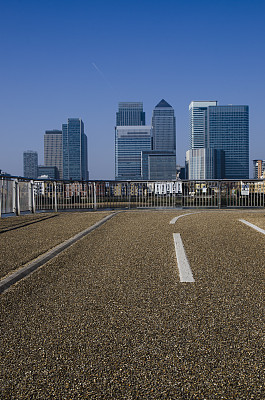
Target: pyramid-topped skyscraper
{"points": [[164, 127], [160, 163], [163, 103], [144, 152]]}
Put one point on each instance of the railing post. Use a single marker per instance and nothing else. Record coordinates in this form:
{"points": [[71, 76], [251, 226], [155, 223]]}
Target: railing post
{"points": [[32, 197], [1, 197], [129, 193], [17, 200], [55, 196], [182, 194], [95, 196], [219, 194]]}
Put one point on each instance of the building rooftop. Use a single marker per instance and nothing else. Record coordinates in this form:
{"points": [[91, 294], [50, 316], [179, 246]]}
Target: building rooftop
{"points": [[163, 103]]}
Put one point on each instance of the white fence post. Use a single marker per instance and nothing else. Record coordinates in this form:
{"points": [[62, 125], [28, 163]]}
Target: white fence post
{"points": [[1, 196], [95, 196], [17, 199], [32, 197], [219, 194], [55, 197]]}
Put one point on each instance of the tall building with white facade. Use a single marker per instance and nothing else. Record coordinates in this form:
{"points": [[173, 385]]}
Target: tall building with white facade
{"points": [[30, 164], [53, 150], [198, 111], [205, 163]]}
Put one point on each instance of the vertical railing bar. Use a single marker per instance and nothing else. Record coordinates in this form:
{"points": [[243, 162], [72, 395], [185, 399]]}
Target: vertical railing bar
{"points": [[1, 196], [95, 196], [33, 205], [55, 196], [17, 198]]}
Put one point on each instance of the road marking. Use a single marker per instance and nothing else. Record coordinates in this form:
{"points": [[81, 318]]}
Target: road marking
{"points": [[253, 226], [185, 273], [182, 215]]}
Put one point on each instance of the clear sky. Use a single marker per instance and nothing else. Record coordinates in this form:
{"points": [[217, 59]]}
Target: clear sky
{"points": [[78, 58]]}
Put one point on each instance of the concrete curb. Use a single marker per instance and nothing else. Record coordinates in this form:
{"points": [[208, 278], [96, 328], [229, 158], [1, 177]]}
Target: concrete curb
{"points": [[5, 283]]}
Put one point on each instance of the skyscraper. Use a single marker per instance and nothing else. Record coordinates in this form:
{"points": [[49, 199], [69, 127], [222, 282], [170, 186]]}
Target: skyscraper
{"points": [[130, 142], [205, 163], [130, 114], [132, 136], [161, 163], [30, 164], [75, 165], [164, 127], [224, 129], [53, 150], [145, 152], [229, 131], [158, 165], [199, 123]]}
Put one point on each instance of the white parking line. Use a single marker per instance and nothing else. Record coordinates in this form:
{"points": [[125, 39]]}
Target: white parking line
{"points": [[182, 215], [185, 273], [253, 226]]}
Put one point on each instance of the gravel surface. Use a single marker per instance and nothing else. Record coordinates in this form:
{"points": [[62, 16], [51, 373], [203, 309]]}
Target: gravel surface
{"points": [[109, 319], [256, 219], [32, 235], [9, 223]]}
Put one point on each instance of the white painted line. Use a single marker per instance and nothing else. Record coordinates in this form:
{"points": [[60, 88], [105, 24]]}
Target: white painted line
{"points": [[182, 215], [185, 273], [253, 226]]}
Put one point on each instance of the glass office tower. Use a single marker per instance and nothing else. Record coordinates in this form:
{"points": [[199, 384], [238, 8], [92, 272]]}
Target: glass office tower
{"points": [[164, 127], [53, 150], [229, 131], [30, 164], [199, 123], [162, 165], [130, 142], [131, 138], [225, 131], [158, 165], [75, 165], [145, 152], [130, 114]]}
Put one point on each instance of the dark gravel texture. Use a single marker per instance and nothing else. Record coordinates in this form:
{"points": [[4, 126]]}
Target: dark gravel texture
{"points": [[12, 223], [109, 319], [32, 235]]}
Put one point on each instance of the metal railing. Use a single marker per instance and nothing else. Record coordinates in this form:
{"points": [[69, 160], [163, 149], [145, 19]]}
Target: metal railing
{"points": [[24, 195]]}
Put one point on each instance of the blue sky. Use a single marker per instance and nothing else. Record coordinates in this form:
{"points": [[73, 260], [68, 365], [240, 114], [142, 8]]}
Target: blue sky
{"points": [[77, 58]]}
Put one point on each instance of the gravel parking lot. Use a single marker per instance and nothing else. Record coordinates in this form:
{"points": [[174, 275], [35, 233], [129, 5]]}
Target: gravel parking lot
{"points": [[257, 219], [109, 319], [26, 237]]}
